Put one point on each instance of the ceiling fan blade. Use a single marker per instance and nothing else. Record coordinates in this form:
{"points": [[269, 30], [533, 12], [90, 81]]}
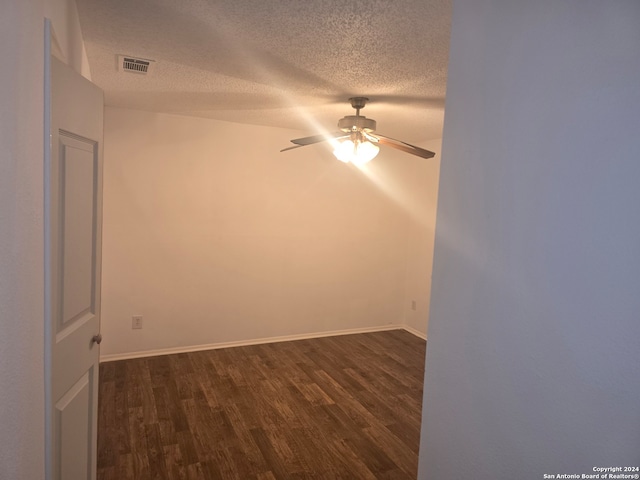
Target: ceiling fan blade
{"points": [[403, 146], [291, 148], [318, 138]]}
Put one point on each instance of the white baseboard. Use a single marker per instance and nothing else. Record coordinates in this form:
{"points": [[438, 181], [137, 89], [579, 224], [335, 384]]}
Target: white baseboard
{"points": [[244, 343], [415, 332]]}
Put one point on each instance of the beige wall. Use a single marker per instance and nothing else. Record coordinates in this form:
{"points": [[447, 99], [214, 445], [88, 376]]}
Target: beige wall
{"points": [[215, 236], [421, 185]]}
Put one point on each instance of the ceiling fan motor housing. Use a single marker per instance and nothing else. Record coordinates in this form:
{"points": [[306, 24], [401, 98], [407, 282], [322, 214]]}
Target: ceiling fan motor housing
{"points": [[352, 123]]}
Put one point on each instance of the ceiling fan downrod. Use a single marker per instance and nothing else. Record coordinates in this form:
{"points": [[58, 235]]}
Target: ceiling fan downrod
{"points": [[352, 123], [358, 103]]}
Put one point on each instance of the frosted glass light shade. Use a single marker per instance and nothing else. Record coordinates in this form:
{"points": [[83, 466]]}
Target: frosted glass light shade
{"points": [[358, 153]]}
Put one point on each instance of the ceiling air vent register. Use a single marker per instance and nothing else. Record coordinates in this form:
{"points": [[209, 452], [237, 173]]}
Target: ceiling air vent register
{"points": [[141, 66]]}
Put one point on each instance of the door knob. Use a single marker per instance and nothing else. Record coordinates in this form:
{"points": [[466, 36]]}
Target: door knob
{"points": [[97, 339]]}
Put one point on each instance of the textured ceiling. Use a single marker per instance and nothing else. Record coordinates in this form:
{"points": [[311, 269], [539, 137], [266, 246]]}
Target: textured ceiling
{"points": [[285, 63]]}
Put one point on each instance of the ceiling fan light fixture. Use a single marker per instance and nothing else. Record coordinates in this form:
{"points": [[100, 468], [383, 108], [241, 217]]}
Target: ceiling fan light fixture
{"points": [[356, 141], [358, 152]]}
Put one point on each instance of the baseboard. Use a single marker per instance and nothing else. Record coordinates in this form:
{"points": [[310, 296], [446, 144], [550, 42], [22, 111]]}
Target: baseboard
{"points": [[415, 332], [244, 343]]}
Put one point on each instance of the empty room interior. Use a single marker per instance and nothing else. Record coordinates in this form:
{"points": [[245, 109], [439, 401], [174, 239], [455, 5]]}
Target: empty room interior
{"points": [[264, 294], [212, 238]]}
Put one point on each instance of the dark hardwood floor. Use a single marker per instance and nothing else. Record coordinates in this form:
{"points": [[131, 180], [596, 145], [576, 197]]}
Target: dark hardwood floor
{"points": [[345, 407]]}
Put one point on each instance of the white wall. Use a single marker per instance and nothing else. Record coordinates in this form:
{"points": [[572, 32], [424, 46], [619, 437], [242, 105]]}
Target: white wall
{"points": [[67, 42], [21, 242], [533, 360], [215, 236]]}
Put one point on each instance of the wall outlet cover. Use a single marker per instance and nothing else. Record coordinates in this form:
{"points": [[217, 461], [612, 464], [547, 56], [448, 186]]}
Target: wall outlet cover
{"points": [[136, 322]]}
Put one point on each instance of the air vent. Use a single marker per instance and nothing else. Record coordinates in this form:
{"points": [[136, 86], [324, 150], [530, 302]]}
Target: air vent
{"points": [[134, 65]]}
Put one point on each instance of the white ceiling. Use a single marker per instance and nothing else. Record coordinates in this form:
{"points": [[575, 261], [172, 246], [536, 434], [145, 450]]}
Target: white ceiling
{"points": [[285, 63]]}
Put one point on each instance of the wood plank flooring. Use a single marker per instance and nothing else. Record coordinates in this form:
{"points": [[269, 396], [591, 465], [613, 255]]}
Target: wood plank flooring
{"points": [[346, 407]]}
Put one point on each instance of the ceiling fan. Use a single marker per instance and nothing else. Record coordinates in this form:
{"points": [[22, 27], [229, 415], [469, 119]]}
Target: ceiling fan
{"points": [[356, 141]]}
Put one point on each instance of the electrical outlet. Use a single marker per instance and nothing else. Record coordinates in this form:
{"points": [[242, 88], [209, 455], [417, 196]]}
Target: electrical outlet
{"points": [[136, 322], [413, 304]]}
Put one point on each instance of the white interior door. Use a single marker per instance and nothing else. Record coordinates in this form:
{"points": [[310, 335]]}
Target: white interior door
{"points": [[73, 176]]}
